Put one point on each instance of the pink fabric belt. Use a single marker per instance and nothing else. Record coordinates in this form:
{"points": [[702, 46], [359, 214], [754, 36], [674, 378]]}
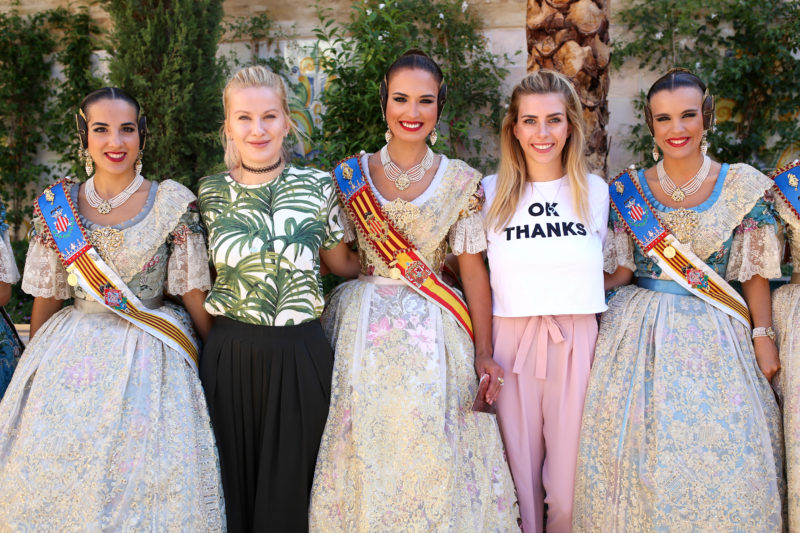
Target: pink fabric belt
{"points": [[547, 327]]}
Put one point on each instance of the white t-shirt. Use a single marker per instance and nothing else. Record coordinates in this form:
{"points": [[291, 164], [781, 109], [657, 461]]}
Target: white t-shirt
{"points": [[546, 261]]}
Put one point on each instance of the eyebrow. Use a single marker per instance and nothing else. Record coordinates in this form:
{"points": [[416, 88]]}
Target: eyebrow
{"points": [[398, 93], [696, 110], [272, 110], [104, 124], [559, 114]]}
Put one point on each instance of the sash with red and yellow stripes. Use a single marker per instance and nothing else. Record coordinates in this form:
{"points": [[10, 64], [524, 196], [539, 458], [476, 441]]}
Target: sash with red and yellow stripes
{"points": [[87, 269], [676, 260], [396, 251]]}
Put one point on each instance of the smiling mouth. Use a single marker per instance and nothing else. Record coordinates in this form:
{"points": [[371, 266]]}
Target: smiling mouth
{"points": [[115, 157], [543, 148], [258, 144], [411, 126], [679, 142]]}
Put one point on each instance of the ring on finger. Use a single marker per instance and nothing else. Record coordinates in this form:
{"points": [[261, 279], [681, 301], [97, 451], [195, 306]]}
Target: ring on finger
{"points": [[501, 381]]}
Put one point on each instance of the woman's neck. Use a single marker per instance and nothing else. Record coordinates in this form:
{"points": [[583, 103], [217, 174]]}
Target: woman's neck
{"points": [[110, 185], [550, 171], [406, 155], [682, 170]]}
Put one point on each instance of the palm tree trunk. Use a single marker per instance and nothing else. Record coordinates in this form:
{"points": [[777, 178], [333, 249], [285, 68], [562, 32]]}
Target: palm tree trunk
{"points": [[571, 36]]}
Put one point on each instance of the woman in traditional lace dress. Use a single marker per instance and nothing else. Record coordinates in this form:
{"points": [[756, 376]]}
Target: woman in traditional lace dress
{"points": [[681, 430], [786, 314], [10, 346], [266, 367], [104, 426], [402, 448]]}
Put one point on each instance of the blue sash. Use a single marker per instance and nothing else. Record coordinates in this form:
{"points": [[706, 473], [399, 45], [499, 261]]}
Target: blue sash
{"points": [[787, 182], [676, 260]]}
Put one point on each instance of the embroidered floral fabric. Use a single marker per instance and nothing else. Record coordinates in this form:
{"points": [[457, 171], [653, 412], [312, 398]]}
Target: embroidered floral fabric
{"points": [[265, 243], [681, 431], [103, 427], [402, 449]]}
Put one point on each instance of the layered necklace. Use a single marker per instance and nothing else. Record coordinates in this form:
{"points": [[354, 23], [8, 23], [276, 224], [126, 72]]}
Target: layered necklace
{"points": [[103, 206], [679, 194], [403, 178]]}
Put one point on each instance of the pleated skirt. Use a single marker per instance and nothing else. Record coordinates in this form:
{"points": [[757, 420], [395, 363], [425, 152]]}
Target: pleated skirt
{"points": [[268, 390]]}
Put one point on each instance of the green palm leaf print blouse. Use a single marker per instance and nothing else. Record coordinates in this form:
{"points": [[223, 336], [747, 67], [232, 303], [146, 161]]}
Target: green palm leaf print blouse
{"points": [[264, 241]]}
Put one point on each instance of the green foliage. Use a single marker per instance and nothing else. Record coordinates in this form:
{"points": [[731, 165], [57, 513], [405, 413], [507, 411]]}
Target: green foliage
{"points": [[358, 52], [746, 53], [164, 54]]}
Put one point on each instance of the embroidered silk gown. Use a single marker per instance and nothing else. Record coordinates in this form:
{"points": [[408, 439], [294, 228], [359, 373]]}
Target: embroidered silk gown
{"points": [[681, 430], [9, 347], [786, 317], [104, 427], [402, 450]]}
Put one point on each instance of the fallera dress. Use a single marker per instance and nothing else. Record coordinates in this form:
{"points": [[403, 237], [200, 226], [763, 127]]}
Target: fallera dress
{"points": [[786, 317], [104, 427], [681, 430], [402, 449], [10, 348]]}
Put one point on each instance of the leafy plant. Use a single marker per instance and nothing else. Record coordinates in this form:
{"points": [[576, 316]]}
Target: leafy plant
{"points": [[358, 52], [746, 54]]}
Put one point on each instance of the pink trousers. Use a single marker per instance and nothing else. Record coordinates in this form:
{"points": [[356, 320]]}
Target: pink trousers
{"points": [[547, 360]]}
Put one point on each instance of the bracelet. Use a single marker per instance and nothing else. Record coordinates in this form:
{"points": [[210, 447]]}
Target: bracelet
{"points": [[764, 332]]}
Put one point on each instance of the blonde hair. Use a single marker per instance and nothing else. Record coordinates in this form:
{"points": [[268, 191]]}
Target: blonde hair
{"points": [[511, 177], [255, 76]]}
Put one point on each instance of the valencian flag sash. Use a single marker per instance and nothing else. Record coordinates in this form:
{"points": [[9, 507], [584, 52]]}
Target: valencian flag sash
{"points": [[676, 260], [396, 251], [787, 180], [87, 269]]}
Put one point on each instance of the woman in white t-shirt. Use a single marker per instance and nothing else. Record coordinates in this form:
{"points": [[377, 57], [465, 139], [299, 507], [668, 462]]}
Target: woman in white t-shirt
{"points": [[546, 220]]}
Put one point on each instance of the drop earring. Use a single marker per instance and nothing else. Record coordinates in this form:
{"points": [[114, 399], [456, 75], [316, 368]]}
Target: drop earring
{"points": [[656, 153], [388, 135], [434, 136], [138, 165], [88, 163], [704, 143]]}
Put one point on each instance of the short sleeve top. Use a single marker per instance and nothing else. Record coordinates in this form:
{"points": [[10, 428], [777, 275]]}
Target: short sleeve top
{"points": [[8, 268], [264, 242]]}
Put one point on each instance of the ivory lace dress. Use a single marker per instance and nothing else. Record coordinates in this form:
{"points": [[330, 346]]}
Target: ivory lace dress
{"points": [[402, 449], [10, 349], [786, 317], [104, 427], [681, 430]]}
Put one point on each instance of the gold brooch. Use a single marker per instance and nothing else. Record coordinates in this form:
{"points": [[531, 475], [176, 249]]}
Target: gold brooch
{"points": [[347, 172], [793, 182], [49, 196], [620, 187], [106, 240]]}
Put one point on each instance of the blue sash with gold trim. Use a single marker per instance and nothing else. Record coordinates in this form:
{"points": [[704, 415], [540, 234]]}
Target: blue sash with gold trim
{"points": [[676, 260], [787, 181], [87, 269]]}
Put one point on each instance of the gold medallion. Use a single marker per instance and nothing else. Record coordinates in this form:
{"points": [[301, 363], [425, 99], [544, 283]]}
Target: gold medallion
{"points": [[678, 195], [402, 182], [793, 181], [104, 208], [347, 172], [620, 187], [669, 252], [394, 273], [72, 279], [49, 196]]}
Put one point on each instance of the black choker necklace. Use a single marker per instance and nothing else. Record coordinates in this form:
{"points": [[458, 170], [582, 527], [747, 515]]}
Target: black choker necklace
{"points": [[263, 170]]}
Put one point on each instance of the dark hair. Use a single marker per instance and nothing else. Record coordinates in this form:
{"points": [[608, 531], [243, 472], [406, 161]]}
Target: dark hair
{"points": [[108, 93], [674, 79], [415, 58]]}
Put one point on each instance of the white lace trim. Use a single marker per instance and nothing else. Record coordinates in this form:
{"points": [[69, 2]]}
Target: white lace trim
{"points": [[618, 251], [755, 252], [188, 266], [44, 275], [468, 235], [8, 267]]}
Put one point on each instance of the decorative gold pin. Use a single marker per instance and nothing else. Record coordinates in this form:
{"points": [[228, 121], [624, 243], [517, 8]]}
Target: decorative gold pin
{"points": [[49, 196], [347, 172], [669, 252], [620, 187], [793, 181]]}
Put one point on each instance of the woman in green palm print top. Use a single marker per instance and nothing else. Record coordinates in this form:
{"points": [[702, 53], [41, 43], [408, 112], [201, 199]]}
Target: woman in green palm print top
{"points": [[266, 367]]}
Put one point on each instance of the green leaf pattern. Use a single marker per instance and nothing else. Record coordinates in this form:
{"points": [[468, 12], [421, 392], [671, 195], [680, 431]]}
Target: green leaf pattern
{"points": [[264, 242]]}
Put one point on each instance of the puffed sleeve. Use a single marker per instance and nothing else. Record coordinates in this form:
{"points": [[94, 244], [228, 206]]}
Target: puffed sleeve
{"points": [[8, 266], [334, 231], [755, 249], [468, 235], [618, 247], [44, 274], [188, 262]]}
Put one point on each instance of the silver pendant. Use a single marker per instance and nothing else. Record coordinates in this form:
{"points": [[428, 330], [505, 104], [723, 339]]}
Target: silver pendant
{"points": [[402, 182], [104, 208], [678, 195]]}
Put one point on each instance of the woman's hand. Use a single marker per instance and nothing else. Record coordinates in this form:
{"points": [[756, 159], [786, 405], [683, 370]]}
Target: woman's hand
{"points": [[486, 365], [767, 356]]}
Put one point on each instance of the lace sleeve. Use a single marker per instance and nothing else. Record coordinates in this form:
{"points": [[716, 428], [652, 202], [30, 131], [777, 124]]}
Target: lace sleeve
{"points": [[468, 235], [618, 247], [44, 275], [754, 251], [8, 266], [188, 262], [348, 227]]}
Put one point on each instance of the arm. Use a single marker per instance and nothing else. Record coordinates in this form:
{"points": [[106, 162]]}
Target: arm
{"points": [[621, 276], [341, 260], [193, 301], [43, 309], [5, 293], [757, 295], [475, 280]]}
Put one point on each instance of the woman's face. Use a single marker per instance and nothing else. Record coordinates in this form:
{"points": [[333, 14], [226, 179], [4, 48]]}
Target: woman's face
{"points": [[678, 121], [542, 128], [411, 106], [113, 136], [256, 124]]}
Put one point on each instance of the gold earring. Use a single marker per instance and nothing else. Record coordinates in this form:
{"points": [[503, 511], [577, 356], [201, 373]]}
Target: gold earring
{"points": [[138, 165], [388, 135], [656, 153], [434, 136], [704, 143], [88, 163]]}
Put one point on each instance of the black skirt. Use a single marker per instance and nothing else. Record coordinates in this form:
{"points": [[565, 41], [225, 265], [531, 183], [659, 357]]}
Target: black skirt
{"points": [[268, 390]]}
